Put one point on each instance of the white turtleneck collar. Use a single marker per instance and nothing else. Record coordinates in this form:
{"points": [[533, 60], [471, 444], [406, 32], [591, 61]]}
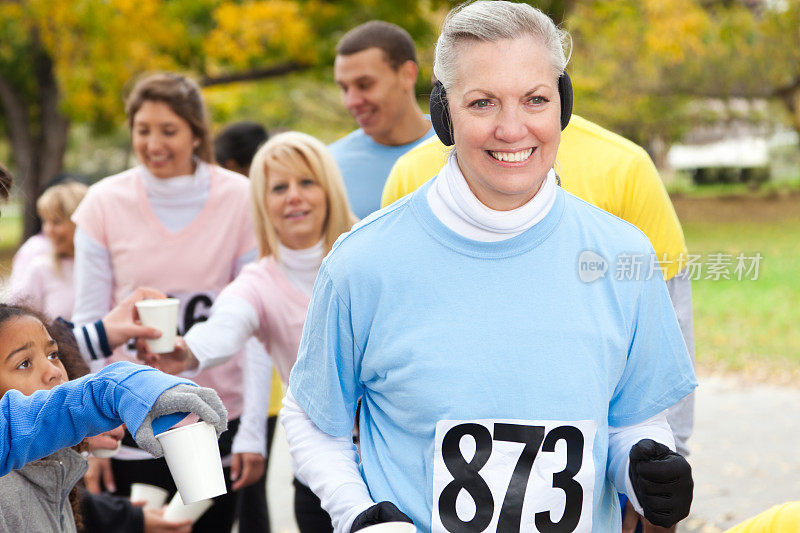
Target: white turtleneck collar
{"points": [[454, 204], [301, 266], [177, 201]]}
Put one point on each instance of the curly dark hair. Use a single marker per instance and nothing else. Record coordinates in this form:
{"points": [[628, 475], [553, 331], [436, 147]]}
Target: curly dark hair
{"points": [[70, 356]]}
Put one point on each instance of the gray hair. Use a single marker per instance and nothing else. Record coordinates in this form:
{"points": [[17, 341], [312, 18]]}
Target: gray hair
{"points": [[491, 21]]}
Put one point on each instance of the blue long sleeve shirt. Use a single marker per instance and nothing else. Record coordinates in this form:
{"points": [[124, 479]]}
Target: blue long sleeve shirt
{"points": [[32, 427]]}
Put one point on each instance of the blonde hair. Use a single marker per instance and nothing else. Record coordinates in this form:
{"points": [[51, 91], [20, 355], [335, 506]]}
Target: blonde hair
{"points": [[298, 153], [59, 202]]}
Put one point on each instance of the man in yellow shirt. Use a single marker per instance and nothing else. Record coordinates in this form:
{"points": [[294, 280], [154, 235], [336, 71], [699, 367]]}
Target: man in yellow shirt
{"points": [[616, 175]]}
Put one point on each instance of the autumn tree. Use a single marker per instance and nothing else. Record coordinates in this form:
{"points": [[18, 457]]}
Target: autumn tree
{"points": [[641, 66], [70, 61]]}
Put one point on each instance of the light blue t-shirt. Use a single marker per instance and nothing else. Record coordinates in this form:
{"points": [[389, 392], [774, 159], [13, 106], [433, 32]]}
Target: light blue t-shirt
{"points": [[365, 166], [490, 372]]}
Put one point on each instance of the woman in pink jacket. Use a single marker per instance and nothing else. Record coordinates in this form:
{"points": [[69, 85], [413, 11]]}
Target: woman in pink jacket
{"points": [[299, 208]]}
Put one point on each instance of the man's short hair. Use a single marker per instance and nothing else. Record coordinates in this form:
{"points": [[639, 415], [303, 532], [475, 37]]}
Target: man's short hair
{"points": [[397, 45]]}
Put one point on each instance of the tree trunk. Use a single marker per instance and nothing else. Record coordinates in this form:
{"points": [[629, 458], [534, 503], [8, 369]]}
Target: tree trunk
{"points": [[51, 141], [38, 135]]}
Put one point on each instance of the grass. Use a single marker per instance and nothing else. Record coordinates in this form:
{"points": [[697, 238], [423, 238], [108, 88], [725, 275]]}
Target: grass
{"points": [[10, 228], [748, 325]]}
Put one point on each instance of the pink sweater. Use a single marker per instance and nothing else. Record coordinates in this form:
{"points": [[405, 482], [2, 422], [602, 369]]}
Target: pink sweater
{"points": [[193, 264], [281, 310], [44, 288]]}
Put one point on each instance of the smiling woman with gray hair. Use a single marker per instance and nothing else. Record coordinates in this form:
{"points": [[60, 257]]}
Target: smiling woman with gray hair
{"points": [[502, 390]]}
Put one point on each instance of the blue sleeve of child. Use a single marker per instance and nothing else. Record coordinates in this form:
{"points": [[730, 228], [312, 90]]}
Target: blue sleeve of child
{"points": [[32, 427]]}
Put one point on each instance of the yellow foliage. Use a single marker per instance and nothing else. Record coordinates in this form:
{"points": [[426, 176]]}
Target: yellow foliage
{"points": [[266, 31]]}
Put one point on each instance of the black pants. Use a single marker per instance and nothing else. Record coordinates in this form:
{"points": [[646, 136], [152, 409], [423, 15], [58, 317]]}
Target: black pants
{"points": [[251, 506], [310, 516], [218, 519]]}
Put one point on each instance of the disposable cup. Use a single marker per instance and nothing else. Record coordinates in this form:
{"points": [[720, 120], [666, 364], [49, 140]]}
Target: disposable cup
{"points": [[391, 527], [154, 497], [103, 453], [177, 511], [161, 314], [193, 459]]}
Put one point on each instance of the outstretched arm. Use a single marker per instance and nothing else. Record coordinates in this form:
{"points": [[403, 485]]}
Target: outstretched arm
{"points": [[32, 427]]}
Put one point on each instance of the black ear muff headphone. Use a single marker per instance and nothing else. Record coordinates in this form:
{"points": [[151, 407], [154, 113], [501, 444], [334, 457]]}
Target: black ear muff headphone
{"points": [[443, 125]]}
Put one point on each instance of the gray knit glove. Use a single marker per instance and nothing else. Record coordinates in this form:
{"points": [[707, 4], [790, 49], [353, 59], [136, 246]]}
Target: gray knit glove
{"points": [[202, 401]]}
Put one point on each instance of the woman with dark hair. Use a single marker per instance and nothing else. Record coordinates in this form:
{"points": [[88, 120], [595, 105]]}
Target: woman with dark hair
{"points": [[181, 224]]}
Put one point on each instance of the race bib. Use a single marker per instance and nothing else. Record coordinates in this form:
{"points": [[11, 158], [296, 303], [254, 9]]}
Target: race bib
{"points": [[513, 476], [194, 307]]}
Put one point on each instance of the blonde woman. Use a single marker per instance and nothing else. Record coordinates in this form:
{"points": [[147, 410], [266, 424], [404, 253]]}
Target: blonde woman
{"points": [[46, 285], [299, 208]]}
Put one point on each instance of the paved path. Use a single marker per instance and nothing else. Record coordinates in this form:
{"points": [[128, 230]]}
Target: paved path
{"points": [[745, 453], [745, 456]]}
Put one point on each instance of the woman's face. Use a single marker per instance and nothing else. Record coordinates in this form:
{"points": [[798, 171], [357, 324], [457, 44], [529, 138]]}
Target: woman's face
{"points": [[506, 114], [61, 232], [162, 140], [30, 360], [297, 208]]}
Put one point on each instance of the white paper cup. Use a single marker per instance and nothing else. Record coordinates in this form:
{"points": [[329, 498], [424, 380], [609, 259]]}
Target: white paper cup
{"points": [[391, 527], [103, 453], [161, 314], [154, 497], [177, 512], [192, 455]]}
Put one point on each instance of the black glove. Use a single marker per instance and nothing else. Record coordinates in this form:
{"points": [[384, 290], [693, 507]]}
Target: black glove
{"points": [[380, 513], [662, 481]]}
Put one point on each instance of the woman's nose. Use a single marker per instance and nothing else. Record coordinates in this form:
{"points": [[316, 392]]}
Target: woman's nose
{"points": [[293, 194], [510, 125], [154, 142]]}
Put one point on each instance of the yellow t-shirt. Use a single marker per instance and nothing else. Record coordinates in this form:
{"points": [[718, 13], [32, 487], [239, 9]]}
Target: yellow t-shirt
{"points": [[275, 395], [779, 519], [594, 164]]}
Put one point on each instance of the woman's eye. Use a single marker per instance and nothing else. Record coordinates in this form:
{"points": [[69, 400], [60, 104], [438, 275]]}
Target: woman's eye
{"points": [[483, 103], [53, 356], [538, 100], [24, 364], [308, 182], [169, 133], [280, 188]]}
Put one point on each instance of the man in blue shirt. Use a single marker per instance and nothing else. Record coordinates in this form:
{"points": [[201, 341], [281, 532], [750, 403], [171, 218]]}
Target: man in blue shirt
{"points": [[376, 69]]}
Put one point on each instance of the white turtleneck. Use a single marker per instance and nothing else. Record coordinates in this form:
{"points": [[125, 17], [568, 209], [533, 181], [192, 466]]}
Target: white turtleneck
{"points": [[453, 202], [330, 464], [301, 266], [177, 201]]}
